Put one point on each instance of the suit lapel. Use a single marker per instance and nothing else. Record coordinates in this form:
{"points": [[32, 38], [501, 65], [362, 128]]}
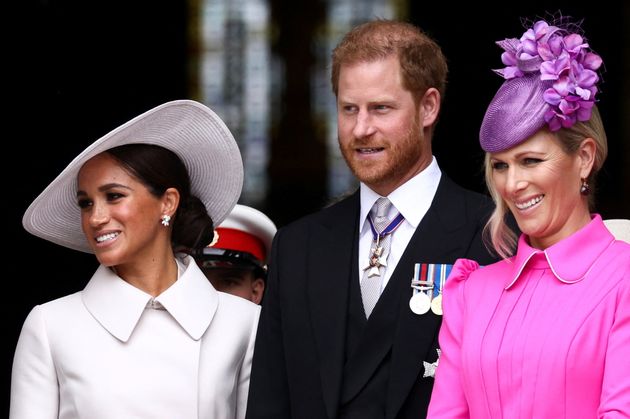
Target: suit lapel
{"points": [[416, 335], [332, 254]]}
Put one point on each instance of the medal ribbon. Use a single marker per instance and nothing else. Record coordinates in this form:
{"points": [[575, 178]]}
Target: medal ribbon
{"points": [[422, 280], [430, 277], [396, 222], [443, 271]]}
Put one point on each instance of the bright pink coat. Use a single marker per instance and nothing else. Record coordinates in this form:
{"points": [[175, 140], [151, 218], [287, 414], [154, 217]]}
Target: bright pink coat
{"points": [[544, 334]]}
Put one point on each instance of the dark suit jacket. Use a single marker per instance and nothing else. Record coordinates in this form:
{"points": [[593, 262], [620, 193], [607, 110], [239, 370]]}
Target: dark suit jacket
{"points": [[299, 357]]}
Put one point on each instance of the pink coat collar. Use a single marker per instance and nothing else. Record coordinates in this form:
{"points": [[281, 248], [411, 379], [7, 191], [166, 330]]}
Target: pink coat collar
{"points": [[570, 259]]}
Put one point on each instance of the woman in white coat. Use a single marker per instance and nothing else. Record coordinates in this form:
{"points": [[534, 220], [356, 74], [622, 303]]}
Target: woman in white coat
{"points": [[148, 337]]}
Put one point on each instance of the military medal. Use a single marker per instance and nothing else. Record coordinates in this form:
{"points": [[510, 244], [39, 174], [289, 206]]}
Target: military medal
{"points": [[420, 303], [378, 258], [440, 280], [436, 305], [427, 284]]}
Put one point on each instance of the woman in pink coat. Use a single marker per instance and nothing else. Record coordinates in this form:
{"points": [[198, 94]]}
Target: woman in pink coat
{"points": [[545, 333]]}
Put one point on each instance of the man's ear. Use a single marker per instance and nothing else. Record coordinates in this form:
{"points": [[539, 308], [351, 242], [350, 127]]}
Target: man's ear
{"points": [[429, 107], [258, 289]]}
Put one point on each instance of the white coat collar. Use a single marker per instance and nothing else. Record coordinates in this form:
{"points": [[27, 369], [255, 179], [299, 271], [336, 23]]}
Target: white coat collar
{"points": [[118, 306]]}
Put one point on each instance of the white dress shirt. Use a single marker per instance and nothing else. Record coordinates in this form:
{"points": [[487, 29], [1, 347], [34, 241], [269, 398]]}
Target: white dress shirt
{"points": [[412, 199], [112, 351]]}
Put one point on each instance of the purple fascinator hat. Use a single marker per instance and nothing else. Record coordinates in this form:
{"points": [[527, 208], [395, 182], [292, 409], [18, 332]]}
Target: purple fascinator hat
{"points": [[551, 78]]}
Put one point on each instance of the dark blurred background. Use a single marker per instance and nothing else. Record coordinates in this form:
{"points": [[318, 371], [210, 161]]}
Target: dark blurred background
{"points": [[77, 69]]}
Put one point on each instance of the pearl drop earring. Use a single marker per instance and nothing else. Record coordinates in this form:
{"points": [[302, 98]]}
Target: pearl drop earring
{"points": [[585, 188]]}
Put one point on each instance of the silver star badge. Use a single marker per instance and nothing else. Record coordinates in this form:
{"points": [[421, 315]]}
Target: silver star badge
{"points": [[429, 368], [376, 261], [373, 271]]}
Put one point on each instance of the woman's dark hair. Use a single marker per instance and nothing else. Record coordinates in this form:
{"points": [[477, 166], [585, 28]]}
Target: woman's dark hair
{"points": [[159, 169]]}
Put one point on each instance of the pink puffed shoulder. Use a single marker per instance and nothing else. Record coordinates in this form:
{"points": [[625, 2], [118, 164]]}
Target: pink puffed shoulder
{"points": [[462, 269]]}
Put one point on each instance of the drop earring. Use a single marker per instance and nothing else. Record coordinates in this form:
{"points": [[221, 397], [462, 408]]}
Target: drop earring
{"points": [[166, 220], [585, 188]]}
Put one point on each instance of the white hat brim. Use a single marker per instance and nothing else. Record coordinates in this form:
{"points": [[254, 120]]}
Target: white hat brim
{"points": [[188, 128]]}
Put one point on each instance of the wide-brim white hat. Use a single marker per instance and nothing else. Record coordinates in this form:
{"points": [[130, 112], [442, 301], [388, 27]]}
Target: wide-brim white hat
{"points": [[188, 128]]}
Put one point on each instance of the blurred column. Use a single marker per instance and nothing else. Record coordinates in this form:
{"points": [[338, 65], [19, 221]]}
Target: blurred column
{"points": [[297, 169], [230, 72]]}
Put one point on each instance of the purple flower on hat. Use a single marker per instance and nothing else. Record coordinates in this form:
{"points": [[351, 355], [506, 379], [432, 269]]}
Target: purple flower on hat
{"points": [[532, 37], [562, 58]]}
